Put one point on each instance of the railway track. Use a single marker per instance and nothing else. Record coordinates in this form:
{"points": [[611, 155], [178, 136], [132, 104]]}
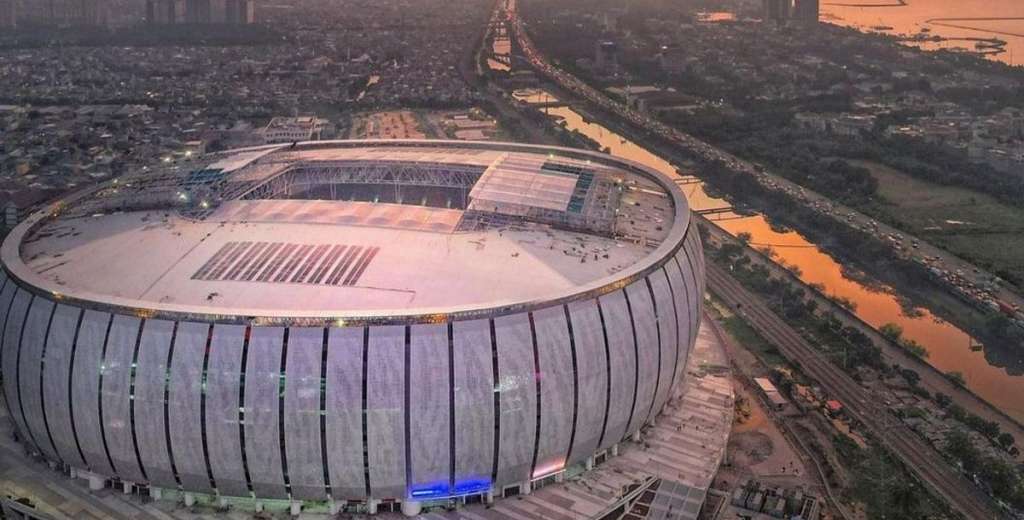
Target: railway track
{"points": [[929, 466]]}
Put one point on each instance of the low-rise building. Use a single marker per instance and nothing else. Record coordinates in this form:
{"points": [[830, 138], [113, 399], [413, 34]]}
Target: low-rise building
{"points": [[771, 394], [294, 129]]}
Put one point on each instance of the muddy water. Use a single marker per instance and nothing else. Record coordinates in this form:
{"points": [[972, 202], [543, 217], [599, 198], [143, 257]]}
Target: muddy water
{"points": [[959, 20], [947, 345]]}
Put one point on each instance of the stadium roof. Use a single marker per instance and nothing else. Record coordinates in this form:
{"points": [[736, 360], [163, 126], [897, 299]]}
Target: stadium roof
{"points": [[287, 258], [522, 180]]}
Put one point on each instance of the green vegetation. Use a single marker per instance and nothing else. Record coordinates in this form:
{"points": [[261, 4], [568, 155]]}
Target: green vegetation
{"points": [[928, 190], [1001, 479], [882, 484], [866, 248], [957, 378], [894, 333], [989, 429], [849, 346], [970, 224], [766, 134], [745, 335]]}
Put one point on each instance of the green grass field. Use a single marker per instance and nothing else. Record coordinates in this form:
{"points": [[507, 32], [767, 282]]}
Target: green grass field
{"points": [[969, 224]]}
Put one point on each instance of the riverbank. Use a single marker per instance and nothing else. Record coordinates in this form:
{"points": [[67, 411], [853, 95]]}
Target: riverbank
{"points": [[938, 24], [931, 378], [815, 250]]}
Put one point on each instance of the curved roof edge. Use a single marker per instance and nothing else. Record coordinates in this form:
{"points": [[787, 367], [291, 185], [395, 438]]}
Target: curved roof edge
{"points": [[10, 256]]}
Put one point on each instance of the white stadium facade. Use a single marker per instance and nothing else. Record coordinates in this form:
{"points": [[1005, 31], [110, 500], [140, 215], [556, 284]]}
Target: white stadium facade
{"points": [[378, 324]]}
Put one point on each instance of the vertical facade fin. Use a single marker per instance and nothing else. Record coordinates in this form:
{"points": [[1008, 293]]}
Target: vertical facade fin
{"points": [[575, 384], [497, 400], [537, 383], [103, 368], [42, 388], [131, 398], [451, 405], [17, 375], [406, 401], [675, 317], [71, 386], [323, 411], [167, 400], [366, 447], [241, 408], [202, 407], [282, 382], [657, 326], [608, 373], [636, 360]]}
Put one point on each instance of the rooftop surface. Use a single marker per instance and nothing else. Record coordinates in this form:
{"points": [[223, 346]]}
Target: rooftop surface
{"points": [[289, 257]]}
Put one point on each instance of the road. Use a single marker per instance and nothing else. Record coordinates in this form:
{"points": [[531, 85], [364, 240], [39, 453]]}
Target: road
{"points": [[921, 458], [956, 273]]}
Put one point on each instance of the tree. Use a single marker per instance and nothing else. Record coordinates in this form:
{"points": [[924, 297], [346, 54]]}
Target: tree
{"points": [[906, 499], [957, 378], [914, 348], [943, 400], [912, 377], [1005, 440], [891, 331], [958, 445]]}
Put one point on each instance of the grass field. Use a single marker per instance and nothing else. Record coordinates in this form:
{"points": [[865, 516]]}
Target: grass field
{"points": [[745, 335], [969, 224]]}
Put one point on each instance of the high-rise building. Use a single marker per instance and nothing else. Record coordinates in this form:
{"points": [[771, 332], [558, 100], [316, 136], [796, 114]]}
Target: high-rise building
{"points": [[606, 55], [166, 11], [56, 12], [94, 12], [8, 14], [62, 12], [198, 11], [218, 11], [239, 12], [807, 10], [776, 10]]}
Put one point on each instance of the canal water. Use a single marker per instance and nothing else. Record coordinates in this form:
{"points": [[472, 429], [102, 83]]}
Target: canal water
{"points": [[948, 346], [959, 22]]}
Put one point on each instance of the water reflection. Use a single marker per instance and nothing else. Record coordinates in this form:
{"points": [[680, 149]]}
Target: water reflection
{"points": [[958, 22], [948, 346]]}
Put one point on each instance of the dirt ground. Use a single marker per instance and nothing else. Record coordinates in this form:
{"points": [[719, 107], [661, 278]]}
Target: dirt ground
{"points": [[757, 446], [388, 125]]}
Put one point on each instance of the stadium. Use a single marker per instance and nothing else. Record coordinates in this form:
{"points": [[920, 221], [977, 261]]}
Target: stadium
{"points": [[378, 324]]}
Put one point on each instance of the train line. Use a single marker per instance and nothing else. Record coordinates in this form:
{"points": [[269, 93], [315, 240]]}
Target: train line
{"points": [[929, 466]]}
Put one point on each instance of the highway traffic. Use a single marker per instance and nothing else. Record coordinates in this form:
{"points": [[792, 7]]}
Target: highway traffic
{"points": [[972, 284]]}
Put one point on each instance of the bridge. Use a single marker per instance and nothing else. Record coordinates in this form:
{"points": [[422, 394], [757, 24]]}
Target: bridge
{"points": [[715, 211], [687, 180]]}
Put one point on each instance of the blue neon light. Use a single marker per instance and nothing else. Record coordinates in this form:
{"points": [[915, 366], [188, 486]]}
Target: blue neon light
{"points": [[469, 487], [442, 490]]}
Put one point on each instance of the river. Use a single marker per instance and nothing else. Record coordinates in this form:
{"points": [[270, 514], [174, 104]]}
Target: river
{"points": [[948, 346], [958, 21]]}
